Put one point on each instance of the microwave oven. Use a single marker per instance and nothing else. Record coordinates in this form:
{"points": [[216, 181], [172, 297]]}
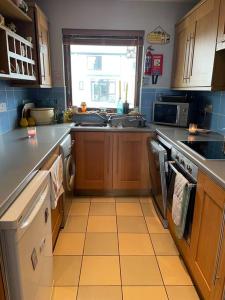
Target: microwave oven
{"points": [[171, 113]]}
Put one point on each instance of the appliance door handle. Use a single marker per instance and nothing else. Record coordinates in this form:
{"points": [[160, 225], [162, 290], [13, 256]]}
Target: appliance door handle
{"points": [[29, 219], [171, 163]]}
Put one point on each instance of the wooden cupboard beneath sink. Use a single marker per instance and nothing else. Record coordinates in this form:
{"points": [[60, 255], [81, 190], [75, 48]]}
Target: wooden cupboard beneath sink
{"points": [[196, 64], [111, 162]]}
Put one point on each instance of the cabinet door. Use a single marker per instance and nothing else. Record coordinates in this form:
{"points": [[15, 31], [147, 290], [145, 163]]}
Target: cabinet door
{"points": [[180, 55], [207, 234], [2, 290], [206, 22], [93, 160], [130, 161], [221, 28], [44, 49]]}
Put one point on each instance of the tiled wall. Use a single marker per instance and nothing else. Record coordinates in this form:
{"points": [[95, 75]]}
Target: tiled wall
{"points": [[216, 119], [13, 97]]}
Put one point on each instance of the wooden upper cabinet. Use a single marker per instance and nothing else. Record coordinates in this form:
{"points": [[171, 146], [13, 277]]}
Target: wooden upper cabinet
{"points": [[207, 241], [196, 64], [221, 28], [131, 170], [43, 48], [206, 24], [92, 151]]}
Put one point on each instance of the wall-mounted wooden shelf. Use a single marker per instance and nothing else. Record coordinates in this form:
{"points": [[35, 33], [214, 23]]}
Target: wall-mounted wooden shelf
{"points": [[9, 9], [16, 61]]}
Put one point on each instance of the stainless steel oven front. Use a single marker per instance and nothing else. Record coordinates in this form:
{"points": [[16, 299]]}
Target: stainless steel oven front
{"points": [[170, 113]]}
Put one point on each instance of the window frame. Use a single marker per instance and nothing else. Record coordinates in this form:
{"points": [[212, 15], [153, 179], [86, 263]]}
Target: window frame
{"points": [[102, 37]]}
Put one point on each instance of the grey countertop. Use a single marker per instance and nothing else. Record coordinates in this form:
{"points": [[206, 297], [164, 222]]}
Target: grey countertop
{"points": [[214, 168], [21, 157]]}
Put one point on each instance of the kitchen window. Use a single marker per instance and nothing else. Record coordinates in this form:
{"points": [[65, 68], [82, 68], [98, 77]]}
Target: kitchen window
{"points": [[102, 66]]}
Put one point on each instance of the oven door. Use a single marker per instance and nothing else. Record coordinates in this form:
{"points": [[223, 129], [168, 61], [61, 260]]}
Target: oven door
{"points": [[157, 169], [166, 113], [173, 169]]}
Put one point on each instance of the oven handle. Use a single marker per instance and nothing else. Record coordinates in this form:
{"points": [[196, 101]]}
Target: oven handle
{"points": [[170, 163]]}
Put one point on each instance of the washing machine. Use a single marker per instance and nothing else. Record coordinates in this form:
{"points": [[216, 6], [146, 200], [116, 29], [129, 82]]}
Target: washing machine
{"points": [[68, 175]]}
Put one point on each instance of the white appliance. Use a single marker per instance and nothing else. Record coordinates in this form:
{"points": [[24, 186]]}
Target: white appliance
{"points": [[68, 175], [26, 242]]}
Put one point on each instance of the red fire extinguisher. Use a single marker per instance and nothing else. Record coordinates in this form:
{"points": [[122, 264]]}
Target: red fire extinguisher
{"points": [[148, 62]]}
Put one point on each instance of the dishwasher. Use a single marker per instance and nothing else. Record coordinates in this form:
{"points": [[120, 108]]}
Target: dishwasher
{"points": [[26, 242]]}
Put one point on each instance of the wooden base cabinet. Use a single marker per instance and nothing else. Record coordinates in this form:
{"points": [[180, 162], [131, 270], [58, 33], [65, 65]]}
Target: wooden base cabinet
{"points": [[109, 162], [208, 236], [2, 289]]}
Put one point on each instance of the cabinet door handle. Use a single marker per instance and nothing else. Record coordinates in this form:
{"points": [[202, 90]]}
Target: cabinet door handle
{"points": [[219, 250], [186, 60], [192, 47]]}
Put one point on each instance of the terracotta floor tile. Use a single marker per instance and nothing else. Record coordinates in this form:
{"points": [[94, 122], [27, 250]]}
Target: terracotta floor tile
{"points": [[102, 224], [163, 244], [182, 292], [66, 270], [100, 270], [148, 210], [144, 293], [132, 225], [102, 200], [140, 270], [69, 244], [99, 293], [128, 209], [76, 224], [64, 293], [79, 209], [147, 199], [154, 225], [127, 199], [135, 244], [101, 244], [173, 271], [82, 199], [102, 209]]}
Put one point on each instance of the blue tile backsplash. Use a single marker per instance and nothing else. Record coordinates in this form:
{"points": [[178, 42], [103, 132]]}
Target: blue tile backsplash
{"points": [[14, 98]]}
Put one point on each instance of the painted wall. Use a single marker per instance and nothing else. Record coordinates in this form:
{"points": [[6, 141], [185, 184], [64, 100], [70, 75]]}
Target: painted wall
{"points": [[111, 14]]}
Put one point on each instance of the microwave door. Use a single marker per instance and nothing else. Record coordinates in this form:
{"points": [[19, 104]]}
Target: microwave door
{"points": [[165, 113]]}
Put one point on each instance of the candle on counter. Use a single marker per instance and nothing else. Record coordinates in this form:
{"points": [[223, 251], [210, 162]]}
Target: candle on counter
{"points": [[119, 89], [192, 128], [126, 91]]}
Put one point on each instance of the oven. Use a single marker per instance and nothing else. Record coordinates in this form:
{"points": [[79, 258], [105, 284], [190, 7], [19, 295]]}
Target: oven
{"points": [[180, 164], [159, 154]]}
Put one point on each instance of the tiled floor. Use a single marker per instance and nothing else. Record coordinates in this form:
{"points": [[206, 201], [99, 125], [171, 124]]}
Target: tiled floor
{"points": [[116, 249]]}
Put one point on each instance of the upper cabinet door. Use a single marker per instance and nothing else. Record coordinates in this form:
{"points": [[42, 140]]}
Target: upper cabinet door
{"points": [[221, 29], [44, 49], [180, 55], [206, 24]]}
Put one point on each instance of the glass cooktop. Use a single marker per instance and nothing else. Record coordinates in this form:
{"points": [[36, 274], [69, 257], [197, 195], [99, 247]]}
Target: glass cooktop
{"points": [[207, 149]]}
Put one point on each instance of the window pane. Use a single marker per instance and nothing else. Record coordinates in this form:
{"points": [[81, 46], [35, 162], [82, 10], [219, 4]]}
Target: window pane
{"points": [[100, 75]]}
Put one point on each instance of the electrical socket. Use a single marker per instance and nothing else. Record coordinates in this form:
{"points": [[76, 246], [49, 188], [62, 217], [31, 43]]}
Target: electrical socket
{"points": [[2, 106]]}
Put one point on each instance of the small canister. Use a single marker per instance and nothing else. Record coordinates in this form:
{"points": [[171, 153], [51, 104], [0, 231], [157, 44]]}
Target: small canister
{"points": [[125, 108]]}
